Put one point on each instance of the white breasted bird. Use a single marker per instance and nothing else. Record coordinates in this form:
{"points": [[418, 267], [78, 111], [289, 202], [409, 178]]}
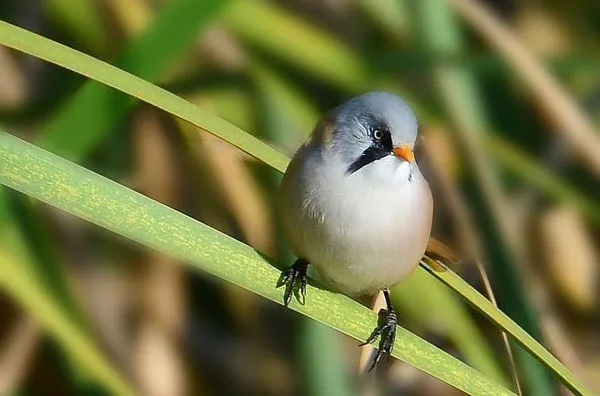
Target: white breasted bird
{"points": [[355, 206]]}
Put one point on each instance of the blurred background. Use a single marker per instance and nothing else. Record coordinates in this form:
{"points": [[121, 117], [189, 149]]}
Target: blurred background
{"points": [[508, 100]]}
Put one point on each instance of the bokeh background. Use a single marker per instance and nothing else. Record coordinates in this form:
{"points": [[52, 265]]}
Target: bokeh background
{"points": [[507, 105]]}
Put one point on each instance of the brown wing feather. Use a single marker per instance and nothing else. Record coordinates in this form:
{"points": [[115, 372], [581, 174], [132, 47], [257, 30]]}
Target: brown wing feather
{"points": [[437, 250]]}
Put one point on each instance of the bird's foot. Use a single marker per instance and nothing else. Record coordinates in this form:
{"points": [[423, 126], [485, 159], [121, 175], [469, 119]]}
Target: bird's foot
{"points": [[295, 280], [387, 330]]}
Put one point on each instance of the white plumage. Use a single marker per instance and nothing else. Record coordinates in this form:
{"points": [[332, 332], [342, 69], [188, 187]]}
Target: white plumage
{"points": [[362, 232], [365, 231]]}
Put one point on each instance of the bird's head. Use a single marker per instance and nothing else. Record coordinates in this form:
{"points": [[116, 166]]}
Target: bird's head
{"points": [[368, 129]]}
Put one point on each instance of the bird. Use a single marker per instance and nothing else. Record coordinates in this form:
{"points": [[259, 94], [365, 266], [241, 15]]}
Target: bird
{"points": [[355, 207]]}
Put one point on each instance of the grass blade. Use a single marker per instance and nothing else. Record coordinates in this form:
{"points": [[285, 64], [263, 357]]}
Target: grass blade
{"points": [[96, 107], [424, 301], [460, 94], [176, 244], [484, 306], [43, 48], [321, 355], [420, 298], [83, 193]]}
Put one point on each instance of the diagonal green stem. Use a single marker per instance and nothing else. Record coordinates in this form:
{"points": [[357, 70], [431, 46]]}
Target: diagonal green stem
{"points": [[43, 48], [81, 192], [76, 190], [148, 55], [499, 318]]}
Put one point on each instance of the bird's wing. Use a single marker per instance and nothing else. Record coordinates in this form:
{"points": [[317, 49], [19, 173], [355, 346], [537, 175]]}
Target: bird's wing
{"points": [[439, 251]]}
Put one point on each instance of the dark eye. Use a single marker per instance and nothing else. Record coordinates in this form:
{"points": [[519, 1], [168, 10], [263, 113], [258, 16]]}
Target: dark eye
{"points": [[377, 134]]}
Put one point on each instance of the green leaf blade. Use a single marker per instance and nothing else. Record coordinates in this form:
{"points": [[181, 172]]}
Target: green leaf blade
{"points": [[90, 114], [17, 178], [40, 47], [76, 190], [484, 306]]}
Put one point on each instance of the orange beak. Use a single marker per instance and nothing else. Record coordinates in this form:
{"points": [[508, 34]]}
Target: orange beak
{"points": [[404, 152]]}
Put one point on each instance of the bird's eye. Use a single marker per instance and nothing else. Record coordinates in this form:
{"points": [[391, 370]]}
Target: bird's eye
{"points": [[377, 134]]}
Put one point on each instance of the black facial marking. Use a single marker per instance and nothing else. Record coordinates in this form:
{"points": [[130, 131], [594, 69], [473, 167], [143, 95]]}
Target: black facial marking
{"points": [[381, 147]]}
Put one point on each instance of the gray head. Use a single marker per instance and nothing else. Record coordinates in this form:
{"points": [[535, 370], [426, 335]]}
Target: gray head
{"points": [[370, 127]]}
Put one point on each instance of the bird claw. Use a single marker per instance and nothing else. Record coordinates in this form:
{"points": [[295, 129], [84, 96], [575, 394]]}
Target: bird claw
{"points": [[387, 330], [290, 278]]}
